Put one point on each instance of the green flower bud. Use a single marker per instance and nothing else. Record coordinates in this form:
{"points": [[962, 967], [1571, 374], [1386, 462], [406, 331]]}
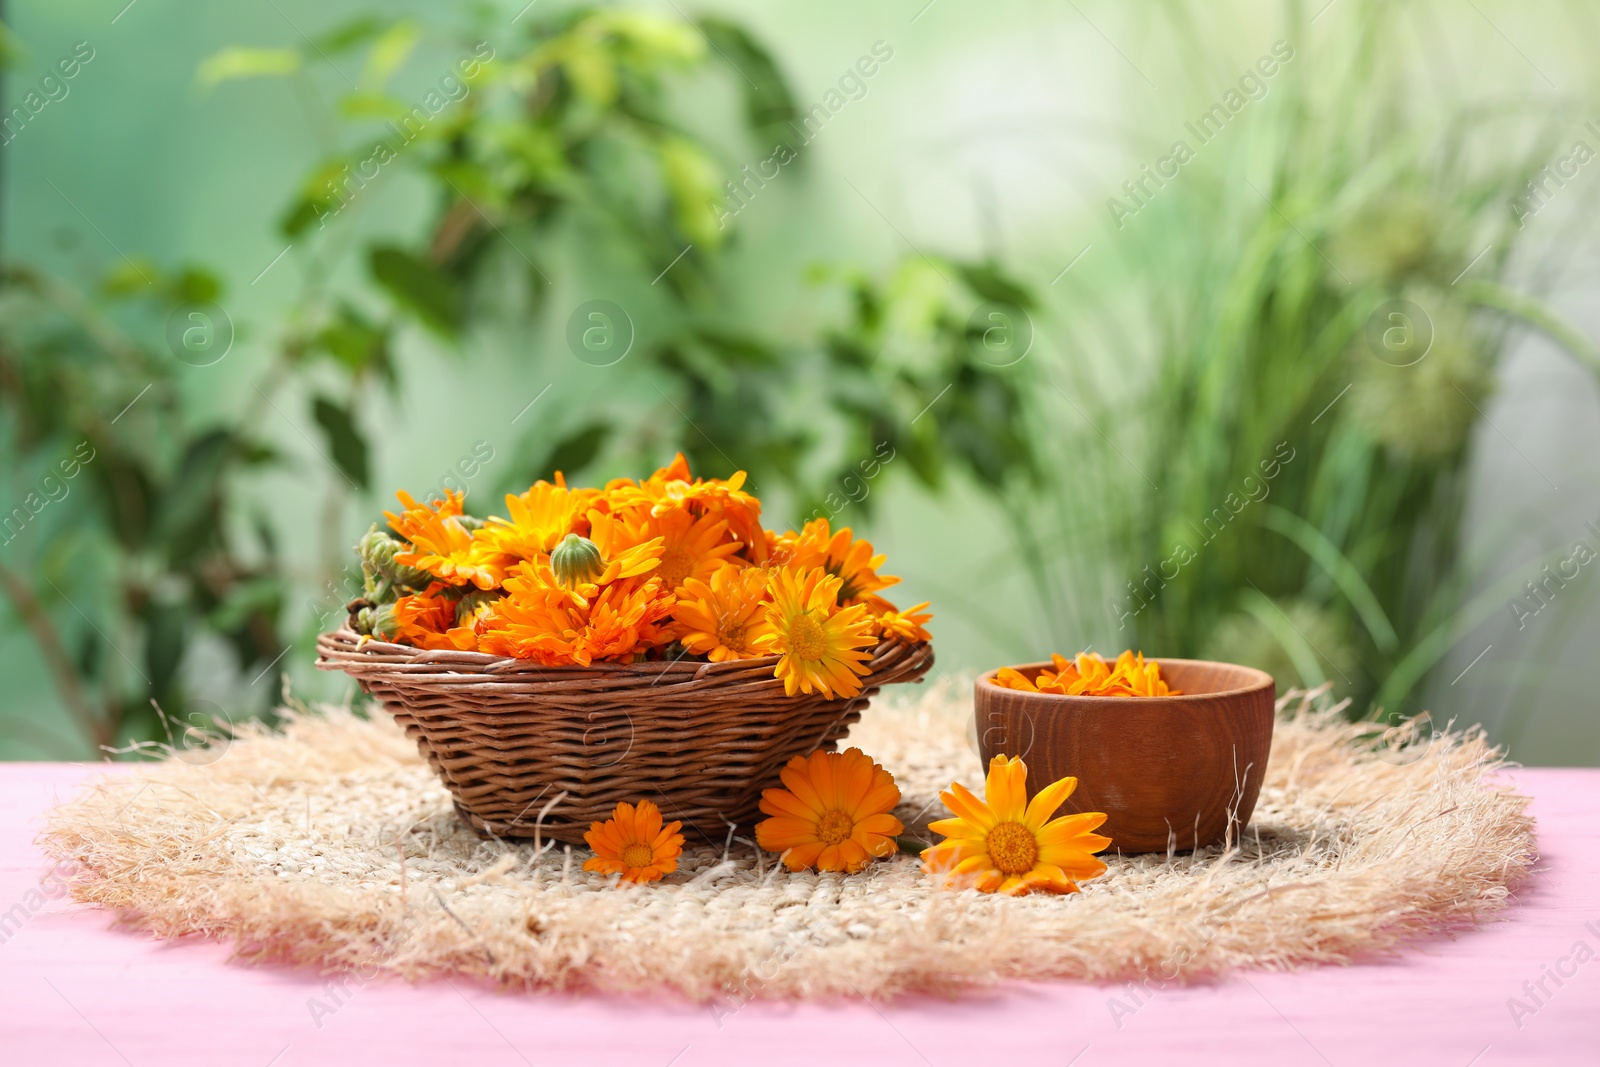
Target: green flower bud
{"points": [[383, 625], [472, 602], [380, 571], [575, 560]]}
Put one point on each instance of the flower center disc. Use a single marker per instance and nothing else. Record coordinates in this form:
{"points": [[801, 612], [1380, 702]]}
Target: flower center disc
{"points": [[834, 826], [638, 855], [806, 639], [674, 567], [1012, 848]]}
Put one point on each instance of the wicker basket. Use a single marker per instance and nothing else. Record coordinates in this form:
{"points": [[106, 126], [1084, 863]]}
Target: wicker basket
{"points": [[544, 751]]}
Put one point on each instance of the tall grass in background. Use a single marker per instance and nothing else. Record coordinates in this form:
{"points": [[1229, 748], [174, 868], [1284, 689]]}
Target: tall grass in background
{"points": [[1271, 464]]}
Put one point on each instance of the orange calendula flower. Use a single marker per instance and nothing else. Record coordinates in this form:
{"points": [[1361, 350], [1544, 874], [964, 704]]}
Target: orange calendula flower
{"points": [[1088, 674], [672, 488], [428, 620], [540, 518], [541, 621], [833, 814], [841, 555], [691, 547], [634, 844], [1008, 844], [817, 641], [442, 545], [722, 619], [906, 625]]}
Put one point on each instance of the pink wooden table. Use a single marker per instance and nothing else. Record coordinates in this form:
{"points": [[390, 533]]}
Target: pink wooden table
{"points": [[74, 991]]}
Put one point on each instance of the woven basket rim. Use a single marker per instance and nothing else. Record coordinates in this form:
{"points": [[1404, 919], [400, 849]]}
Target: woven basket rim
{"points": [[342, 648]]}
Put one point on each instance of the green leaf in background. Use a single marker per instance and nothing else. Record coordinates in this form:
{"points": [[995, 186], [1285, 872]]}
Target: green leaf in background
{"points": [[1344, 573], [166, 625], [194, 285], [372, 105], [346, 444], [418, 286], [691, 180], [355, 343], [128, 276], [234, 63], [769, 106], [389, 51], [193, 497], [10, 48], [990, 282], [351, 34]]}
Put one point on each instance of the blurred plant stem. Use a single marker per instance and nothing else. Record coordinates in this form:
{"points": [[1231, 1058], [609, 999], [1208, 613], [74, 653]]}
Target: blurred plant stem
{"points": [[101, 730]]}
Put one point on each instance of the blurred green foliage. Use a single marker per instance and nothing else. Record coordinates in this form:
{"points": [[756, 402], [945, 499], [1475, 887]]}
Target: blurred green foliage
{"points": [[575, 135], [121, 553], [1234, 379], [1324, 290]]}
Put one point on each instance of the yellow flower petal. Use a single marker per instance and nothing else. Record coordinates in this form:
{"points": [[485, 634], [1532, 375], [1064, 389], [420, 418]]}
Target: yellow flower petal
{"points": [[1006, 789], [1047, 800], [966, 805]]}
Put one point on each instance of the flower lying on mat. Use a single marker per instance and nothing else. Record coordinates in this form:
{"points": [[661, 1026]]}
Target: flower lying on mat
{"points": [[1088, 674], [670, 567], [1008, 844], [634, 844], [834, 813]]}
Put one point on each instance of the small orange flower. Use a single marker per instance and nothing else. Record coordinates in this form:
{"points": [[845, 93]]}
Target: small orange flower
{"points": [[834, 815], [691, 547], [841, 555], [443, 546], [722, 620], [428, 620], [673, 488], [634, 844], [1008, 844], [543, 622], [906, 625], [1088, 674], [540, 518]]}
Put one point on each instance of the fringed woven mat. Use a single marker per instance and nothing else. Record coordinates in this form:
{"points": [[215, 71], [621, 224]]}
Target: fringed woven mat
{"points": [[331, 845]]}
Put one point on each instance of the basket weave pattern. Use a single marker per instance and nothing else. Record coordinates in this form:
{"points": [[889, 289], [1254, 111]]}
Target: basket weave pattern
{"points": [[540, 751]]}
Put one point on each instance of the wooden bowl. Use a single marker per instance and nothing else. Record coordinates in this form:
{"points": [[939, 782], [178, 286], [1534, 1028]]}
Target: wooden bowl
{"points": [[1173, 772]]}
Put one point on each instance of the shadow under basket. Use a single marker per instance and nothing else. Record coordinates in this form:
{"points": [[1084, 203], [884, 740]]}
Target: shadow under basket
{"points": [[529, 751]]}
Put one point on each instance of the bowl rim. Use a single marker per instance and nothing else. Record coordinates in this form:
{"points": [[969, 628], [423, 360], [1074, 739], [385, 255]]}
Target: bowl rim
{"points": [[1263, 680]]}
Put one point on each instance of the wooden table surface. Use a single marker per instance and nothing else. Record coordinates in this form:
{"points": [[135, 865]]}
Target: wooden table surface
{"points": [[1526, 989]]}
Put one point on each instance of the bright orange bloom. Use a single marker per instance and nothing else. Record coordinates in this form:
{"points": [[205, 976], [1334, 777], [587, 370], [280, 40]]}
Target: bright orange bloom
{"points": [[442, 545], [634, 844], [817, 641], [691, 547], [1007, 844], [541, 621], [540, 518], [672, 488], [428, 620], [624, 554], [1088, 674], [906, 625], [842, 556], [834, 813], [722, 619], [642, 565]]}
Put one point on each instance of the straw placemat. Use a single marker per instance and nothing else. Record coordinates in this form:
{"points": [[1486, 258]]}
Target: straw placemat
{"points": [[332, 845]]}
